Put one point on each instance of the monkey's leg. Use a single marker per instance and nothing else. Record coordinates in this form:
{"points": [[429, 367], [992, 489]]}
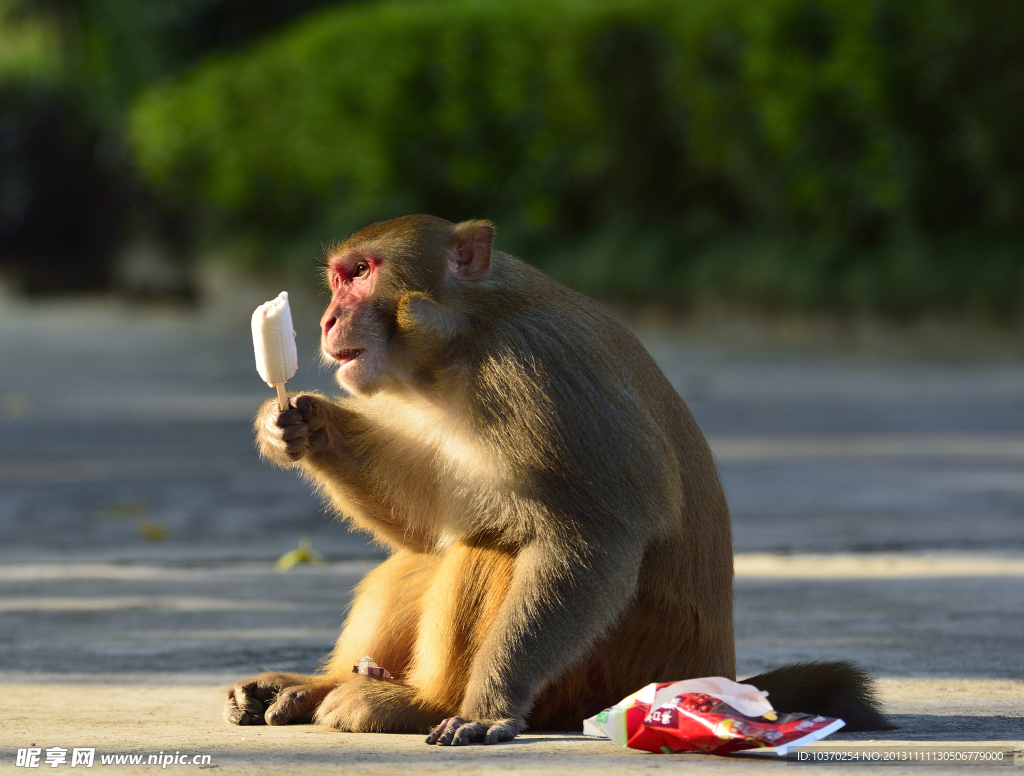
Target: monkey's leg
{"points": [[381, 623], [367, 705], [463, 598]]}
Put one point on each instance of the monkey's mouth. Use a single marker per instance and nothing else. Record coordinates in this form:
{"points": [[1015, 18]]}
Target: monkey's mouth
{"points": [[345, 356]]}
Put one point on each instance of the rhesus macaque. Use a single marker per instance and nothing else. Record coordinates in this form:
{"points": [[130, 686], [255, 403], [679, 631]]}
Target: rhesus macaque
{"points": [[559, 536]]}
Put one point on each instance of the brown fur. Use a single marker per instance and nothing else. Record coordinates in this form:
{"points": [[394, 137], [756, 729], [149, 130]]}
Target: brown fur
{"points": [[558, 531]]}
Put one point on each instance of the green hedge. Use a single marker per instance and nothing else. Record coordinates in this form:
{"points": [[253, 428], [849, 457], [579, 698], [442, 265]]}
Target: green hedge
{"points": [[794, 152]]}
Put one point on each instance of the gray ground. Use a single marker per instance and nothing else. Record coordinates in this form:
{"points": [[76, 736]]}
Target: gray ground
{"points": [[878, 507]]}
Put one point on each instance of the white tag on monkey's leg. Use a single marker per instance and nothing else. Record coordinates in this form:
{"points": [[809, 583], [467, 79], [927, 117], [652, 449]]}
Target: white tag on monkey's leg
{"points": [[367, 667]]}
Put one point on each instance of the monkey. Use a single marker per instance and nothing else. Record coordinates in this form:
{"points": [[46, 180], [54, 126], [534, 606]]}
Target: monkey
{"points": [[558, 534]]}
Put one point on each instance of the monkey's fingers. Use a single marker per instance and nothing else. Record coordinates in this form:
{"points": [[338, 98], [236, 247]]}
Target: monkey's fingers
{"points": [[470, 733], [296, 704], [296, 440], [294, 431], [443, 733], [312, 411], [289, 418], [455, 731], [241, 708], [296, 448], [245, 701], [502, 730]]}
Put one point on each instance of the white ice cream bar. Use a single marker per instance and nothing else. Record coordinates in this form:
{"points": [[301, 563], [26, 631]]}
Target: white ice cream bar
{"points": [[273, 338]]}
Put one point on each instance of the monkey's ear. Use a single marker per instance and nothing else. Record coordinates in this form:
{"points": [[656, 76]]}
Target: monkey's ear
{"points": [[472, 249]]}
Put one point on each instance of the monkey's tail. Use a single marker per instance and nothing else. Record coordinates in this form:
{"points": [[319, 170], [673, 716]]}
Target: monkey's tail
{"points": [[832, 689]]}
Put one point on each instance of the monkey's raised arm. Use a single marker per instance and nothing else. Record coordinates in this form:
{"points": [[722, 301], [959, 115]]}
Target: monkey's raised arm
{"points": [[335, 447]]}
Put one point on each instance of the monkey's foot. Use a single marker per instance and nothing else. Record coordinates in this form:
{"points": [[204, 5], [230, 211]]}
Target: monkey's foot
{"points": [[367, 705], [274, 699], [455, 731]]}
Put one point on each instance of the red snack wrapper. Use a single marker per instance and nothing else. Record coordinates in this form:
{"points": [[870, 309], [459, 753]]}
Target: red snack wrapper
{"points": [[713, 715]]}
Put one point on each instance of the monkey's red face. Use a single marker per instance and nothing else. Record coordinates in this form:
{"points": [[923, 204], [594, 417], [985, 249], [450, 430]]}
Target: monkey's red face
{"points": [[353, 330], [387, 284]]}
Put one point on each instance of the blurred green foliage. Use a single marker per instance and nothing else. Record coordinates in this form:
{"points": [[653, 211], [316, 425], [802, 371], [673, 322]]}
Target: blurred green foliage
{"points": [[792, 153], [28, 46], [70, 194], [787, 152]]}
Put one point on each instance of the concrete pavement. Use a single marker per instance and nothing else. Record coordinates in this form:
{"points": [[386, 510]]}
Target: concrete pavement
{"points": [[878, 503], [171, 719]]}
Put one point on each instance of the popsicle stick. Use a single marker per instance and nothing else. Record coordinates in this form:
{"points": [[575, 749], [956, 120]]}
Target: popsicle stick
{"points": [[282, 397]]}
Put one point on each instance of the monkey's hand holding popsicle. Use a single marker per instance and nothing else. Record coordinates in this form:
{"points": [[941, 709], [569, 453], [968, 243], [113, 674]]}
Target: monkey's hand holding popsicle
{"points": [[289, 431], [273, 339]]}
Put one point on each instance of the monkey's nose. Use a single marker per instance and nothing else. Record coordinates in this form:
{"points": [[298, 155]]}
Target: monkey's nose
{"points": [[328, 323]]}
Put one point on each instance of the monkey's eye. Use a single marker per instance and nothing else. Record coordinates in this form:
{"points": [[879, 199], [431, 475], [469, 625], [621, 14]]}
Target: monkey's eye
{"points": [[361, 269], [335, 282]]}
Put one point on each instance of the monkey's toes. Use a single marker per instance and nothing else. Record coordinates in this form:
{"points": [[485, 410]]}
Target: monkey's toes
{"points": [[242, 709], [455, 731], [294, 705], [246, 702], [503, 730]]}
